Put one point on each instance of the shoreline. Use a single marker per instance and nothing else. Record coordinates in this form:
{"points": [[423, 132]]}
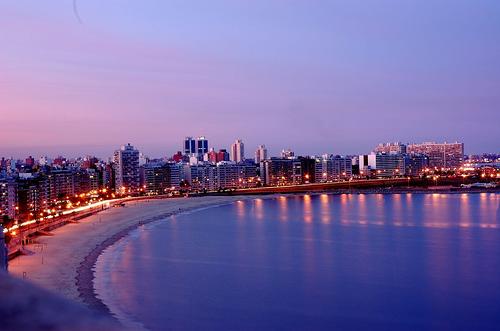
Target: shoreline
{"points": [[368, 190], [96, 303], [72, 274], [299, 189], [64, 263], [85, 271]]}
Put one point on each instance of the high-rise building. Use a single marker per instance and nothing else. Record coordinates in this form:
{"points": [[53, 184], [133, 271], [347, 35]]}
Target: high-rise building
{"points": [[157, 177], [247, 174], [415, 164], [260, 154], [126, 163], [238, 151], [190, 147], [390, 148], [108, 176], [8, 197], [441, 155], [333, 167], [366, 163], [280, 171], [82, 181], [203, 177], [390, 165], [61, 184], [175, 174], [195, 147], [304, 170], [32, 195], [227, 175], [202, 146]]}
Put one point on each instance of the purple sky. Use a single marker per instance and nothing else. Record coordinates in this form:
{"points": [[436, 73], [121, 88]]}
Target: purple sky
{"points": [[315, 76]]}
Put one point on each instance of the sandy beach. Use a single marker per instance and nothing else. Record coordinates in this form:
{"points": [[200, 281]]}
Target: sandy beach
{"points": [[63, 263]]}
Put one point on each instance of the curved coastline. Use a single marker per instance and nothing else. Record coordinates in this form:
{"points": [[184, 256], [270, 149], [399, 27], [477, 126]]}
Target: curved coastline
{"points": [[85, 271], [72, 273], [63, 262], [153, 275]]}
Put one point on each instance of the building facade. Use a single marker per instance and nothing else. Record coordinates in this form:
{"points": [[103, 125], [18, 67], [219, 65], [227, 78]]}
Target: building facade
{"points": [[366, 163], [237, 153], [284, 171], [390, 165], [126, 164], [156, 178], [8, 197], [201, 146], [441, 155], [260, 154], [331, 168], [189, 146], [390, 148], [415, 164]]}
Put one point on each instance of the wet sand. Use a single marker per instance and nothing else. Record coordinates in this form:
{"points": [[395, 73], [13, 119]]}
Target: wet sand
{"points": [[63, 263]]}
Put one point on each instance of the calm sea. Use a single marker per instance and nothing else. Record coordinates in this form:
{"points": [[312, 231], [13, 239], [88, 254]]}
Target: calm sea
{"points": [[319, 262]]}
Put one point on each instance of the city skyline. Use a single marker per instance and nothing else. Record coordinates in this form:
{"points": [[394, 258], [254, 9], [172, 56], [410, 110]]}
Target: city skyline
{"points": [[249, 165], [333, 77], [32, 188], [108, 154]]}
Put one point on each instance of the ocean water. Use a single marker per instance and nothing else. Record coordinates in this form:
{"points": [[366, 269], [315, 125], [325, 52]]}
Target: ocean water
{"points": [[313, 262]]}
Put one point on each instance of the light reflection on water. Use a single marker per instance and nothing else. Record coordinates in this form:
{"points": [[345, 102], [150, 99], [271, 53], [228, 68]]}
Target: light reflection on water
{"points": [[259, 209], [283, 205], [326, 214], [346, 262]]}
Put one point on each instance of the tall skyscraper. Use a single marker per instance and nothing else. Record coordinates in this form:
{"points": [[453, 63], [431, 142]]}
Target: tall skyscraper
{"points": [[238, 151], [190, 146], [202, 146], [260, 154], [126, 164], [196, 147]]}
